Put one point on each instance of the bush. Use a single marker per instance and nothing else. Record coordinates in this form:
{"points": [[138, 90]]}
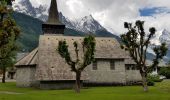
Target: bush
{"points": [[165, 72], [150, 83], [154, 78]]}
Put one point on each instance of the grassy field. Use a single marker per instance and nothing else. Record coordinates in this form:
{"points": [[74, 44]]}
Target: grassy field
{"points": [[161, 91]]}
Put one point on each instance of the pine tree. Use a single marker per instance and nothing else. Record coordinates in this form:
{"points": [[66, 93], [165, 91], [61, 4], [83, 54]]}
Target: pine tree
{"points": [[9, 32]]}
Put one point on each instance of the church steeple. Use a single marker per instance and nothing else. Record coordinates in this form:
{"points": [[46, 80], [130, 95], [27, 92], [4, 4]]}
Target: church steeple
{"points": [[53, 25], [53, 17]]}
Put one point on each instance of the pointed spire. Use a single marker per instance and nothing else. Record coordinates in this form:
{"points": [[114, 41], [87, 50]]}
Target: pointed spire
{"points": [[53, 14], [53, 25]]}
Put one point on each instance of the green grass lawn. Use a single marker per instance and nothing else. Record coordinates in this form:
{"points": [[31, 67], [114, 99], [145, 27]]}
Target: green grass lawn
{"points": [[161, 91]]}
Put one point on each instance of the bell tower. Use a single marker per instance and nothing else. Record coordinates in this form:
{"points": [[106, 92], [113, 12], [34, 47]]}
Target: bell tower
{"points": [[53, 25]]}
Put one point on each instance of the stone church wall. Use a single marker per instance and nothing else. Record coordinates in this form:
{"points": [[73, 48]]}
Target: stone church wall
{"points": [[25, 76], [104, 74], [133, 76]]}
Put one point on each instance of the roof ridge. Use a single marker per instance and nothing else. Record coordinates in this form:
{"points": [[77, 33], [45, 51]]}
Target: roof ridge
{"points": [[28, 55], [23, 57], [33, 56]]}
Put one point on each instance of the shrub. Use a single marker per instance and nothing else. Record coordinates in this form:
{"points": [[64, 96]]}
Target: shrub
{"points": [[150, 83], [165, 72], [154, 78]]}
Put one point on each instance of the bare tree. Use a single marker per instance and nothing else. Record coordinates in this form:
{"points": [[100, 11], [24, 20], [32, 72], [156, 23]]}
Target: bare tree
{"points": [[78, 66], [137, 42]]}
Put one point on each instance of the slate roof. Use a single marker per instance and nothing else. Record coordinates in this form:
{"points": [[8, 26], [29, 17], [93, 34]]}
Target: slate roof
{"points": [[129, 61], [28, 60]]}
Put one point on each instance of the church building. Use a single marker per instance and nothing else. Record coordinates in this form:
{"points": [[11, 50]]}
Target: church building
{"points": [[46, 69]]}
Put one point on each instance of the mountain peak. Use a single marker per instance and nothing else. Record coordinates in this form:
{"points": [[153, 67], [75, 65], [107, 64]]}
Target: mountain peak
{"points": [[90, 17], [165, 37], [86, 24], [165, 31]]}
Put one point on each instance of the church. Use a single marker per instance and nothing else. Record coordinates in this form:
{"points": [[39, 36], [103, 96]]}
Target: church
{"points": [[44, 68]]}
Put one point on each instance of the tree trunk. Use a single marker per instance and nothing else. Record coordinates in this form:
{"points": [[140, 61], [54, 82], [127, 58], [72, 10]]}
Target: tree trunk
{"points": [[3, 77], [78, 84], [144, 82]]}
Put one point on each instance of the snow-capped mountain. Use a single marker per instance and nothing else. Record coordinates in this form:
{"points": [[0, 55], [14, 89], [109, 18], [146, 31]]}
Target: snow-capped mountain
{"points": [[161, 37], [66, 21], [25, 6], [165, 37], [86, 24]]}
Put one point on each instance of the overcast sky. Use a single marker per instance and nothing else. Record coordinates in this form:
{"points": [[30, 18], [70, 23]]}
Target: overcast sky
{"points": [[113, 13]]}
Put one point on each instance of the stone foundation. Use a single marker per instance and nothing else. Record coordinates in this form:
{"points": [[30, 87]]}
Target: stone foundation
{"points": [[53, 85]]}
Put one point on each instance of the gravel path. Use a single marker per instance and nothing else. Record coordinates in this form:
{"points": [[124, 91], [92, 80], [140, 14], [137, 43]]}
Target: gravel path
{"points": [[7, 92], [8, 80]]}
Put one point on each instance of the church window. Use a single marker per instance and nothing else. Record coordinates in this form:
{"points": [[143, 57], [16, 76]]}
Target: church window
{"points": [[112, 65], [95, 65], [133, 67], [128, 67]]}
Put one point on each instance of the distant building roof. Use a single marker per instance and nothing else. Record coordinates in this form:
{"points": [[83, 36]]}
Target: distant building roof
{"points": [[148, 62], [161, 63]]}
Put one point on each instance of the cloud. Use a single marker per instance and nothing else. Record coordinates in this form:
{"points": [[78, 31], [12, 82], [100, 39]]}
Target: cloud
{"points": [[113, 13]]}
